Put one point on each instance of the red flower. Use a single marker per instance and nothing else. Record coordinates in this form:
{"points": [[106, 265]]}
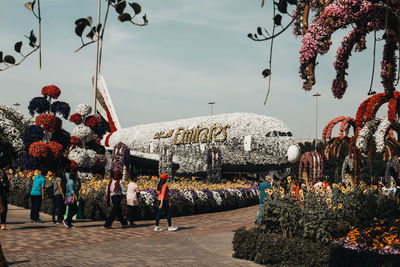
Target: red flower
{"points": [[392, 109], [55, 148], [47, 121], [76, 118], [74, 165], [39, 150], [75, 141], [93, 121], [52, 91]]}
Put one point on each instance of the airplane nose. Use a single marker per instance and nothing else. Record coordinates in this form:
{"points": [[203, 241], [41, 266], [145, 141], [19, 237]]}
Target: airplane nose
{"points": [[293, 154]]}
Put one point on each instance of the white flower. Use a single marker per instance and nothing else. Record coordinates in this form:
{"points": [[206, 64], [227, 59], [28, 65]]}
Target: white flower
{"points": [[235, 192], [148, 199], [85, 175], [188, 195], [83, 132], [10, 133], [83, 109], [217, 197], [83, 157], [380, 134], [202, 195], [366, 133]]}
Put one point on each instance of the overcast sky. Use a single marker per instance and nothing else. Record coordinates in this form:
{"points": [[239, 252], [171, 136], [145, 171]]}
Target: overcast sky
{"points": [[191, 53]]}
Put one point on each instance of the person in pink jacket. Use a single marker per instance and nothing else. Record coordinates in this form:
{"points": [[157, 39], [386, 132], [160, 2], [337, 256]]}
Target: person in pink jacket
{"points": [[132, 200], [163, 203]]}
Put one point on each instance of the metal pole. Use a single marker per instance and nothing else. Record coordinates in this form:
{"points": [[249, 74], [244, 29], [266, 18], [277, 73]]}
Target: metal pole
{"points": [[212, 105], [316, 119], [97, 59]]}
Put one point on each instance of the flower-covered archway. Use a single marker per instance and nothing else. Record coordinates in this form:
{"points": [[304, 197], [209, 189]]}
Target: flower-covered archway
{"points": [[312, 164]]}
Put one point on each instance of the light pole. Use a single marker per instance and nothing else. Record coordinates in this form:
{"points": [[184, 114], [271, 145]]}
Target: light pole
{"points": [[316, 118], [212, 105]]}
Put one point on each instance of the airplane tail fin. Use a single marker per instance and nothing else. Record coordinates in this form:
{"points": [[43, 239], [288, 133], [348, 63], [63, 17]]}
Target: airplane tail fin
{"points": [[105, 106]]}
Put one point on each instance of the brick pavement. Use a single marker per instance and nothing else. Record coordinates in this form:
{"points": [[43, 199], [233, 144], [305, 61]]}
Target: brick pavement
{"points": [[202, 240]]}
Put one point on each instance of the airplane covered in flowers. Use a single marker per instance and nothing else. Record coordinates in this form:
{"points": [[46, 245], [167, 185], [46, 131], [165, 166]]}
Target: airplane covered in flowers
{"points": [[227, 143]]}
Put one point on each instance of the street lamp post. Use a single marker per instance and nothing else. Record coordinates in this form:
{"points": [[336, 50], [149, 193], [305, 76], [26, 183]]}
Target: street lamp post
{"points": [[316, 118], [17, 105], [212, 105]]}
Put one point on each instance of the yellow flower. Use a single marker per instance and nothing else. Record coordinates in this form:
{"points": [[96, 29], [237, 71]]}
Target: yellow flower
{"points": [[10, 171], [301, 192], [301, 198], [289, 179], [328, 200], [282, 195], [329, 206], [340, 206], [269, 191], [334, 209]]}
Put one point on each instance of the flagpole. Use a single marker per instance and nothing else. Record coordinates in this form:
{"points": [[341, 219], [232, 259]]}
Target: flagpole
{"points": [[97, 59]]}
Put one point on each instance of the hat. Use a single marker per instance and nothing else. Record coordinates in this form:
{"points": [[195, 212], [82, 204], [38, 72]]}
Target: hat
{"points": [[117, 174], [164, 176]]}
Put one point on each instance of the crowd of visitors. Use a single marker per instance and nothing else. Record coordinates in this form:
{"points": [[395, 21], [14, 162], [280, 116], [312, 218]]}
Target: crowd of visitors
{"points": [[64, 192]]}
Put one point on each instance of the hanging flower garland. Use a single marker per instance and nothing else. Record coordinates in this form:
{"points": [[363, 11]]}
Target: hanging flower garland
{"points": [[347, 167], [380, 134], [51, 91], [61, 108], [120, 156], [83, 109], [345, 126], [38, 105], [312, 164], [365, 135]]}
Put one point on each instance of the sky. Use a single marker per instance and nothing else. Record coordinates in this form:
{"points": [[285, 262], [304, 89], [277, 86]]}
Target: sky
{"points": [[191, 53]]}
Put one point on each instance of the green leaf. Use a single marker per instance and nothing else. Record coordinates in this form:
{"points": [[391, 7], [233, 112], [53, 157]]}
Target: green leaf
{"points": [[145, 19], [30, 5], [88, 21], [32, 39], [259, 30], [278, 20], [292, 2], [282, 6], [17, 47], [9, 59], [1, 56], [90, 35], [80, 28], [120, 7], [136, 8], [266, 73], [124, 17]]}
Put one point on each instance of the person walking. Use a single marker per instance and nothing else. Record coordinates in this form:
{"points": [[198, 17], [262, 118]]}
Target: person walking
{"points": [[266, 184], [163, 203], [37, 195], [71, 198], [132, 200], [4, 192], [58, 198], [115, 192]]}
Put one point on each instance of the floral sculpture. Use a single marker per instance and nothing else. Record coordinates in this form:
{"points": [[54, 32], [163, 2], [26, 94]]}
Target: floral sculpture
{"points": [[86, 154], [331, 15], [46, 141], [313, 164]]}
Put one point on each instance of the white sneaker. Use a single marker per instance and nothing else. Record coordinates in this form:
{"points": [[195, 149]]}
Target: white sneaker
{"points": [[171, 228], [157, 229]]}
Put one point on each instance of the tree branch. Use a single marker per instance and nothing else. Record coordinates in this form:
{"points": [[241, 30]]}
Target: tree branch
{"points": [[18, 63]]}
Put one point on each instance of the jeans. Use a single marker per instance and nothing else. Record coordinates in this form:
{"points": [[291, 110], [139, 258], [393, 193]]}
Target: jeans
{"points": [[167, 211], [36, 202], [258, 213], [132, 211], [116, 211], [58, 205], [3, 216], [72, 210]]}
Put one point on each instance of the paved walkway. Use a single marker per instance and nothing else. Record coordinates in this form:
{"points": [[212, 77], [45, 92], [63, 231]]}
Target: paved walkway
{"points": [[202, 240]]}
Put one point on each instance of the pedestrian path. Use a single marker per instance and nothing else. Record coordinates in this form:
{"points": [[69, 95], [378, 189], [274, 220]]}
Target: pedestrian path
{"points": [[202, 240]]}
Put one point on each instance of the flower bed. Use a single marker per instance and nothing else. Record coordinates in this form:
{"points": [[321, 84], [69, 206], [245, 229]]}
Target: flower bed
{"points": [[187, 196], [345, 221]]}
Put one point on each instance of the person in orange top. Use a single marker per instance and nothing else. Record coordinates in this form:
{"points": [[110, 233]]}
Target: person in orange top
{"points": [[163, 203]]}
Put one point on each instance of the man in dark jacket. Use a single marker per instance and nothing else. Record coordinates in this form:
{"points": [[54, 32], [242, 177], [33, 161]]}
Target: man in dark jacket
{"points": [[4, 192]]}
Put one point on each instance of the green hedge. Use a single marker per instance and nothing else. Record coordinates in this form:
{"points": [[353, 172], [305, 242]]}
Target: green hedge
{"points": [[274, 250]]}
